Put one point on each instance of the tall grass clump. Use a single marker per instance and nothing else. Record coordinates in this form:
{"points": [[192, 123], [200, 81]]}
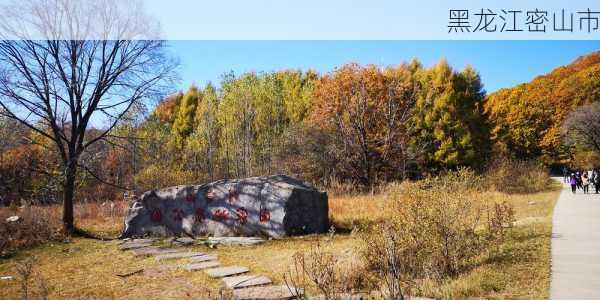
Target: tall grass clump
{"points": [[320, 271], [517, 176], [437, 228], [38, 225]]}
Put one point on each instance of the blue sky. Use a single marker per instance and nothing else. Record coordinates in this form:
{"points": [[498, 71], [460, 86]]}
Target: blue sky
{"points": [[349, 19], [500, 63]]}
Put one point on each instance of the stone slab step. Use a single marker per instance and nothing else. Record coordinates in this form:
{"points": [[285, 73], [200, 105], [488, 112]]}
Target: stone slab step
{"points": [[234, 241], [134, 245], [129, 240], [184, 241], [346, 296], [146, 240], [243, 281], [178, 255], [147, 251], [267, 292], [202, 258], [226, 271], [202, 265]]}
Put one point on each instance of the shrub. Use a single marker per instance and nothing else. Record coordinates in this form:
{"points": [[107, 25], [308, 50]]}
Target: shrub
{"points": [[156, 176], [517, 176], [39, 225], [26, 275], [333, 276], [436, 230], [42, 223]]}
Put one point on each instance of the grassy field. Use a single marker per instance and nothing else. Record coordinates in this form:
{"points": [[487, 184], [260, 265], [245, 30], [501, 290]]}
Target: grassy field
{"points": [[84, 268]]}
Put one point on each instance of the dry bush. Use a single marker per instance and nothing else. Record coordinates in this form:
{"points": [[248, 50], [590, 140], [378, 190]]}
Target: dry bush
{"points": [[333, 276], [42, 223], [336, 187], [389, 258], [39, 225], [156, 176], [586, 160], [436, 230], [517, 176], [27, 275], [500, 217], [107, 210]]}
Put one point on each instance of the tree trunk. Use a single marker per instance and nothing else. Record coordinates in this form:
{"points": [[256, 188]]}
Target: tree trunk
{"points": [[68, 195]]}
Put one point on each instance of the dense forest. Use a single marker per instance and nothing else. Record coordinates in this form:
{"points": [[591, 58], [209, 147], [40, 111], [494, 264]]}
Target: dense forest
{"points": [[362, 125]]}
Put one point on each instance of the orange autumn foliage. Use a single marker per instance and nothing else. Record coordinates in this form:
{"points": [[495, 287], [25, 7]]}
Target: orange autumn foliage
{"points": [[366, 109], [24, 171], [526, 119]]}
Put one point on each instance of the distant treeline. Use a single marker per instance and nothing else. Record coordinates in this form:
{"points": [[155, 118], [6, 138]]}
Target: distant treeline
{"points": [[358, 124]]}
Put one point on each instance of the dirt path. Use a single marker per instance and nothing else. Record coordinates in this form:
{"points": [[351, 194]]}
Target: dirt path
{"points": [[576, 246]]}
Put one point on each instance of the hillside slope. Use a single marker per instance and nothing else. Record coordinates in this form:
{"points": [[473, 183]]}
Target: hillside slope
{"points": [[526, 119]]}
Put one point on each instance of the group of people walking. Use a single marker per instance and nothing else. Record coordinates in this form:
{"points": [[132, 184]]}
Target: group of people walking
{"points": [[581, 180]]}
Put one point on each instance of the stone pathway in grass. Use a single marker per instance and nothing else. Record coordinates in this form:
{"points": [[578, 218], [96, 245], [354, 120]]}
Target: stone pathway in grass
{"points": [[226, 271], [202, 265], [236, 278], [266, 292], [243, 281]]}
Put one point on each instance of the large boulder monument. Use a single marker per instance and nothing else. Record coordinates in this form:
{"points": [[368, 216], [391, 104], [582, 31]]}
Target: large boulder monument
{"points": [[272, 206]]}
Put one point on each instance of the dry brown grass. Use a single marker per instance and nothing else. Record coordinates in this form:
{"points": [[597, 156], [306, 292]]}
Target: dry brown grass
{"points": [[517, 176], [42, 224], [38, 225], [521, 267], [104, 218], [87, 269], [347, 212]]}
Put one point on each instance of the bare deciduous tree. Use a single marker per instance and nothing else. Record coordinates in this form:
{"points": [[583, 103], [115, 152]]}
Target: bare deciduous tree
{"points": [[65, 65], [582, 126]]}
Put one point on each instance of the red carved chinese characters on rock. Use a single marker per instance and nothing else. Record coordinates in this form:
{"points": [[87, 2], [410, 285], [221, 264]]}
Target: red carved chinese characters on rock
{"points": [[265, 215], [242, 215], [220, 214], [155, 216]]}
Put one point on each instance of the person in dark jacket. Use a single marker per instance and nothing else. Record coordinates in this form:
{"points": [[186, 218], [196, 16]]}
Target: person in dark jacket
{"points": [[597, 181], [579, 181]]}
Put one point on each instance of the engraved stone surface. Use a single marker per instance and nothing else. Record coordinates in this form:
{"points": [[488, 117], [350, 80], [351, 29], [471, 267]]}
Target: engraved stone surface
{"points": [[226, 271], [244, 281], [273, 206]]}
